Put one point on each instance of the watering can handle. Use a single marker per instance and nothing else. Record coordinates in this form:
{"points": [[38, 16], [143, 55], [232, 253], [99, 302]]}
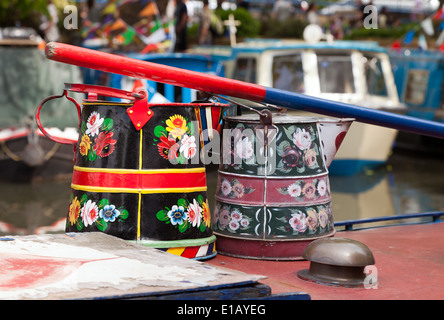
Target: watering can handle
{"points": [[39, 123]]}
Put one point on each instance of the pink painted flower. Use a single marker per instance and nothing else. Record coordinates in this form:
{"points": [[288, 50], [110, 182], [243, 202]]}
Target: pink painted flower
{"points": [[89, 213], [224, 217], [195, 213], [298, 222]]}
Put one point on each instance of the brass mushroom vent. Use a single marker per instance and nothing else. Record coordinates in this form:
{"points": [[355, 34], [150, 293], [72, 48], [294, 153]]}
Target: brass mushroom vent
{"points": [[337, 261]]}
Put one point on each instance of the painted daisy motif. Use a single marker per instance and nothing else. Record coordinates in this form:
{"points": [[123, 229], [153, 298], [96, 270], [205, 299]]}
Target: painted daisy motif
{"points": [[93, 124]]}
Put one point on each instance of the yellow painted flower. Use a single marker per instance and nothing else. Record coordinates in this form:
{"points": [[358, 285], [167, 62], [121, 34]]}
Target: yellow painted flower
{"points": [[74, 211], [206, 214], [85, 144], [177, 126]]}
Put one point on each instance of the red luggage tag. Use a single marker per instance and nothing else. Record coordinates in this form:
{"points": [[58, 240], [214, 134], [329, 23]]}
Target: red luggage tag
{"points": [[140, 112]]}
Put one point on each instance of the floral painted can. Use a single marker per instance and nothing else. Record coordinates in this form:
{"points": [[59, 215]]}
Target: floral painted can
{"points": [[138, 174], [273, 193]]}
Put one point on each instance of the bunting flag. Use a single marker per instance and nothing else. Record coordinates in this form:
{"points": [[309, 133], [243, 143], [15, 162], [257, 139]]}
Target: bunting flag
{"points": [[427, 26], [409, 37], [149, 10], [113, 29], [422, 42], [439, 14]]}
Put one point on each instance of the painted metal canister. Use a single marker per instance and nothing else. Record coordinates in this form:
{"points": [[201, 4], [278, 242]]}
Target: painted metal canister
{"points": [[138, 174], [273, 193]]}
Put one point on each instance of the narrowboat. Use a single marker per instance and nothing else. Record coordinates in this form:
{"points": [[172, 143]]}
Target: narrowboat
{"points": [[419, 78], [25, 154], [354, 72]]}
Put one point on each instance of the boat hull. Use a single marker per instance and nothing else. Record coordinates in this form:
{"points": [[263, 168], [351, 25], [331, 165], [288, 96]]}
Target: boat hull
{"points": [[43, 160]]}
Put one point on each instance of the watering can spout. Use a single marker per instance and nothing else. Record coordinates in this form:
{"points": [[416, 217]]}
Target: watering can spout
{"points": [[332, 135]]}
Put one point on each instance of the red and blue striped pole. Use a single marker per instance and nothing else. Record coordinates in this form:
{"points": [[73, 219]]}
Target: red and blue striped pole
{"points": [[200, 81]]}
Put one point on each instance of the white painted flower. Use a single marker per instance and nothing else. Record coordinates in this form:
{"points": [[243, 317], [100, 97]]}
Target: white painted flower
{"points": [[93, 124], [244, 148], [89, 213], [188, 146], [194, 213], [302, 139], [322, 187], [294, 190]]}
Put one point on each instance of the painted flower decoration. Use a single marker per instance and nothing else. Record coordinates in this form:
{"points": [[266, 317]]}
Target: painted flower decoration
{"points": [[206, 215], [244, 148], [312, 219], [85, 144], [109, 213], [93, 124], [194, 213], [89, 213], [322, 187], [167, 148], [74, 211], [188, 146], [225, 187], [187, 214], [97, 135], [294, 190], [177, 215], [176, 126], [298, 222], [323, 217], [104, 144], [310, 158], [302, 139]]}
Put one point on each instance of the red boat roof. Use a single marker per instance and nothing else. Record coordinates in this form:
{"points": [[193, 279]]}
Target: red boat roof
{"points": [[409, 264]]}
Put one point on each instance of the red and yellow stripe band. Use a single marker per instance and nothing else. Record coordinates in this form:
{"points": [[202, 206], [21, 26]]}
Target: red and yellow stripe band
{"points": [[139, 180]]}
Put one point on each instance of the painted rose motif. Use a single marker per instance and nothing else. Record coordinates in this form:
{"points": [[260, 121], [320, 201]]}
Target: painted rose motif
{"points": [[167, 148], [323, 217], [104, 144], [85, 212], [230, 219], [97, 136], [177, 141], [93, 124], [312, 219], [302, 139], [298, 222], [233, 189], [306, 190], [299, 151]]}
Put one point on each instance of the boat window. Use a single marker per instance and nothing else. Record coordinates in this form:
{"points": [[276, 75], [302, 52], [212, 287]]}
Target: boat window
{"points": [[416, 86], [245, 70], [335, 73], [288, 73], [374, 76]]}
